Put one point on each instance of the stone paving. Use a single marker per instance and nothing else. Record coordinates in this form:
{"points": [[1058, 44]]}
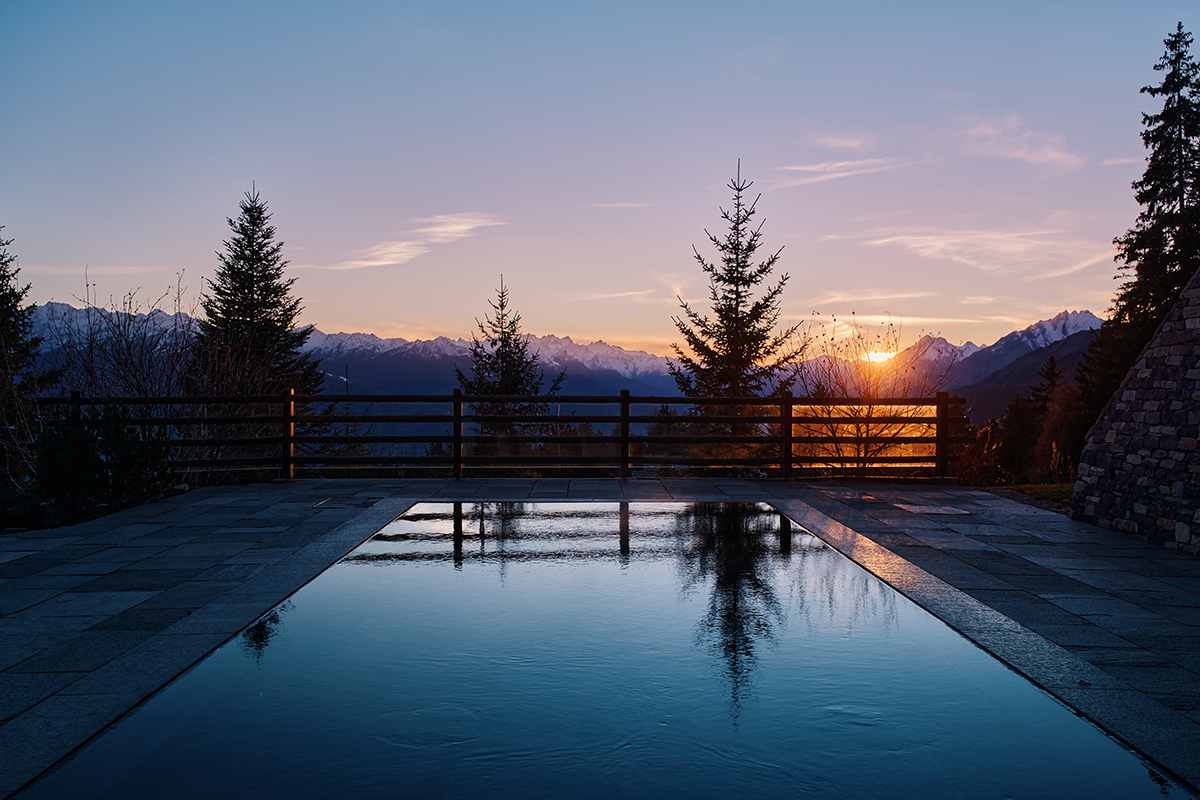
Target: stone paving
{"points": [[96, 617]]}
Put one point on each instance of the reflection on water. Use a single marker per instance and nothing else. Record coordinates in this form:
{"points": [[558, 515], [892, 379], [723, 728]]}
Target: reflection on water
{"points": [[254, 640], [726, 550], [598, 650]]}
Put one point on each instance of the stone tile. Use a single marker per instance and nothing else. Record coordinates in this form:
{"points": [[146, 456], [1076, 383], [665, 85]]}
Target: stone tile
{"points": [[1116, 579], [139, 580], [1105, 606], [87, 568], [29, 565], [230, 572], [149, 666], [1025, 608], [15, 600], [200, 549], [1105, 657], [151, 620], [20, 691], [1188, 615], [1143, 723], [1043, 662], [1158, 678], [85, 651], [36, 739], [1002, 564], [1046, 586], [69, 604], [193, 594], [1075, 635], [44, 581]]}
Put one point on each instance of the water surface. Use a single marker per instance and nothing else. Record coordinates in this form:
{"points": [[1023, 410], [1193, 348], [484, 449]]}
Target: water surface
{"points": [[600, 650]]}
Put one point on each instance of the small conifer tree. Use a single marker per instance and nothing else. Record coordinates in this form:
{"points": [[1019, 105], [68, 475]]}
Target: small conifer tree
{"points": [[249, 341], [737, 352], [501, 364]]}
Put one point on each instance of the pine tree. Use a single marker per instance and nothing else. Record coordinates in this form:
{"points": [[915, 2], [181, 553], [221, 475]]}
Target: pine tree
{"points": [[737, 352], [1162, 251], [501, 364], [248, 341], [20, 378]]}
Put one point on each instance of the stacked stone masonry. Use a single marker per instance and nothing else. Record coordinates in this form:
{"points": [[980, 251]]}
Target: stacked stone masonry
{"points": [[1140, 469]]}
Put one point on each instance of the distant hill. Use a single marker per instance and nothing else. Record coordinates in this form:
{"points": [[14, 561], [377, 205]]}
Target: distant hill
{"points": [[987, 398]]}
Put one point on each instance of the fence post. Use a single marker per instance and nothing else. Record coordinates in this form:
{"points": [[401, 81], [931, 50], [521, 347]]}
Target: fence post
{"points": [[288, 467], [76, 405], [785, 435], [942, 448], [456, 446], [624, 433]]}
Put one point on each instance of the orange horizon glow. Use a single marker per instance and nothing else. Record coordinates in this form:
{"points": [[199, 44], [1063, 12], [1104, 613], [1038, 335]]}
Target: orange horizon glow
{"points": [[877, 356]]}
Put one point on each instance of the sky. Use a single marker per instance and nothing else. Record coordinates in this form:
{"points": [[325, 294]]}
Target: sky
{"points": [[958, 168]]}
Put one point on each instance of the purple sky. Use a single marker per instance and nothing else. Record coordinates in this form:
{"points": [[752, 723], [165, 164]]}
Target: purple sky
{"points": [[962, 167]]}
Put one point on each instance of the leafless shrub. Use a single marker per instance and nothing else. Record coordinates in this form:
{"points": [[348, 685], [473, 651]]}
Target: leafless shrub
{"points": [[852, 360]]}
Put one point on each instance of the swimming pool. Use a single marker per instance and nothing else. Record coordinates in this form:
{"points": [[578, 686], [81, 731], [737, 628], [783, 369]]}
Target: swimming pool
{"points": [[593, 650]]}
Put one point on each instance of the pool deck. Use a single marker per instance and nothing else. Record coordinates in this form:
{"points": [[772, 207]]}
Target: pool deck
{"points": [[95, 618]]}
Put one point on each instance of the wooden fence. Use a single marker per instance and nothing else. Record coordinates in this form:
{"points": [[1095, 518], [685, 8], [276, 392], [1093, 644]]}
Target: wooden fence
{"points": [[615, 435]]}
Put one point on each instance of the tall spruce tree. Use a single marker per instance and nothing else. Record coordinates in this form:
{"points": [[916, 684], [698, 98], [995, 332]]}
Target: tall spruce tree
{"points": [[20, 378], [501, 364], [737, 352], [1161, 251], [248, 341]]}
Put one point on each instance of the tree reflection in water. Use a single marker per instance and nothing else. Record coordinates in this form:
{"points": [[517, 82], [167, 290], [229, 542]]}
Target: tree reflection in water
{"points": [[254, 640], [730, 544]]}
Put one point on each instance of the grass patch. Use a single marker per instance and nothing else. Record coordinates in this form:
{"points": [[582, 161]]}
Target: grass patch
{"points": [[1057, 493]]}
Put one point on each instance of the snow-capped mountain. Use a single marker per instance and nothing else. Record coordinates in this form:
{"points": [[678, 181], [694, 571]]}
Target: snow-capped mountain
{"points": [[555, 353], [376, 364], [51, 321], [1007, 349], [937, 349], [321, 342]]}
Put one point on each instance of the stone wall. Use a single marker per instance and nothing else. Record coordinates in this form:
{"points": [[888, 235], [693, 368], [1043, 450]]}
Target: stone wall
{"points": [[1140, 469]]}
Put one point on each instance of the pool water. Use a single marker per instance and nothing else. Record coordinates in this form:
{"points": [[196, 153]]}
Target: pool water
{"points": [[600, 650]]}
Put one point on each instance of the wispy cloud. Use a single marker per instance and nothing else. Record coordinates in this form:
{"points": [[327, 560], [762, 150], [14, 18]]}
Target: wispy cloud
{"points": [[866, 297], [976, 300], [441, 229], [452, 227], [840, 142], [1008, 137], [612, 295], [1108, 162], [621, 205], [832, 170], [1033, 254]]}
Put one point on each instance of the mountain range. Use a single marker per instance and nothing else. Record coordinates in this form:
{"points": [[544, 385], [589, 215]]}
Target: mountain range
{"points": [[363, 363]]}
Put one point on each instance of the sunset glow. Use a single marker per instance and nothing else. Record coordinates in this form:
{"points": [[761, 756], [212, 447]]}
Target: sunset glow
{"points": [[879, 356], [966, 203]]}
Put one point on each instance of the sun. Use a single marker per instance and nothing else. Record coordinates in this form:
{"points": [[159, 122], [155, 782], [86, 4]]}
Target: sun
{"points": [[877, 356]]}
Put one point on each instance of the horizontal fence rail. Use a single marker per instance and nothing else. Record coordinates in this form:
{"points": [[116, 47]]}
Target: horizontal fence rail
{"points": [[566, 434]]}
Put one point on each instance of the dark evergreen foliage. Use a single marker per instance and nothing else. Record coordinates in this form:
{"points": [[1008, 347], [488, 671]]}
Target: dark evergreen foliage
{"points": [[20, 378], [737, 352], [501, 364], [249, 342], [1161, 252]]}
